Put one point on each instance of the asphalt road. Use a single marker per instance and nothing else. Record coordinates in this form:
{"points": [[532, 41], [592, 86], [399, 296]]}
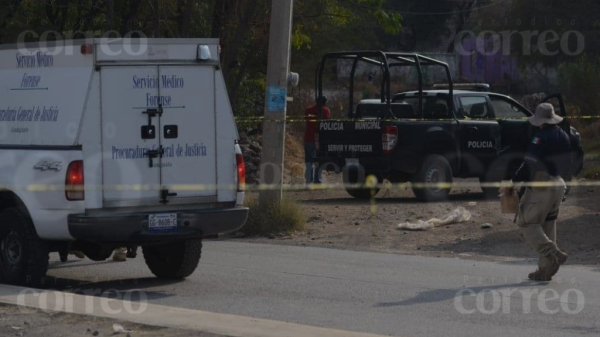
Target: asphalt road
{"points": [[358, 291]]}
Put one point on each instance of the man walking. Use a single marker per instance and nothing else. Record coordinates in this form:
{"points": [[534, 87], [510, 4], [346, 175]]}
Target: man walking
{"points": [[311, 115], [547, 160]]}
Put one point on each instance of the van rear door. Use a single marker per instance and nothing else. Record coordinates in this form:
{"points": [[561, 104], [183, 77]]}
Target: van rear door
{"points": [[188, 131], [127, 97], [158, 134]]}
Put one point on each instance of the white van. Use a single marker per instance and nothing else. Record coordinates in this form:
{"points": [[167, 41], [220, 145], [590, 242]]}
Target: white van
{"points": [[121, 143]]}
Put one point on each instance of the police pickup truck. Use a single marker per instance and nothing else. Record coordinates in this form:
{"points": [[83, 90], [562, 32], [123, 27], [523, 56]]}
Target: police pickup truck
{"points": [[426, 137], [109, 144]]}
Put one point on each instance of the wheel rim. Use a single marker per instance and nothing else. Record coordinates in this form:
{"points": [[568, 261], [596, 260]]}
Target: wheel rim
{"points": [[11, 249], [435, 175]]}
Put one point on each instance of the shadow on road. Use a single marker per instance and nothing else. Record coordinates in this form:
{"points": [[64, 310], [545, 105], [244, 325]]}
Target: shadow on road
{"points": [[441, 295], [117, 288]]}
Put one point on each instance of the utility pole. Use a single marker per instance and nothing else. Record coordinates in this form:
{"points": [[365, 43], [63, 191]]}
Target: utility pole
{"points": [[271, 170]]}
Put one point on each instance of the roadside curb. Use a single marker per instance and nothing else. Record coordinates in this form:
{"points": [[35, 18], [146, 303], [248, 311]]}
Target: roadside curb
{"points": [[159, 315]]}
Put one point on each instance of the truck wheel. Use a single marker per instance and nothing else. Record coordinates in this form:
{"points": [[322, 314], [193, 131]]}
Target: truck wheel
{"points": [[174, 260], [491, 192], [23, 256], [435, 169], [353, 177]]}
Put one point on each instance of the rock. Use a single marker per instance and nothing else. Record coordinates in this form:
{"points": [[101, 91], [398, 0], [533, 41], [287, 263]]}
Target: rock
{"points": [[95, 333], [239, 235], [271, 236], [357, 224], [314, 218], [329, 221], [256, 147], [487, 225], [250, 167], [472, 203]]}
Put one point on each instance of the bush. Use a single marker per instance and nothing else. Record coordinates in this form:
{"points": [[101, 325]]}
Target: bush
{"points": [[580, 83], [271, 219]]}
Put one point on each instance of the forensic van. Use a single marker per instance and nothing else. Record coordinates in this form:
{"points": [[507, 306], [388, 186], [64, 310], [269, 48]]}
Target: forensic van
{"points": [[110, 144]]}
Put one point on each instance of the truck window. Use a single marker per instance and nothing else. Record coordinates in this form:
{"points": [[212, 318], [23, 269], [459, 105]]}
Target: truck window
{"points": [[506, 109], [474, 107], [433, 107]]}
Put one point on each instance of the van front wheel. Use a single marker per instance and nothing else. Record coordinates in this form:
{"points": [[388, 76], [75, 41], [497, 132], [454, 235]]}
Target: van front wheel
{"points": [[175, 260]]}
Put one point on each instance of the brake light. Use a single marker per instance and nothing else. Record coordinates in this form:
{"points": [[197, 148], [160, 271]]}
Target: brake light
{"points": [[74, 182], [389, 138], [241, 171], [317, 147]]}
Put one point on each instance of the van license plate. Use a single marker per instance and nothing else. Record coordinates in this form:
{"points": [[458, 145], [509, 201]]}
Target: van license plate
{"points": [[352, 162], [162, 222]]}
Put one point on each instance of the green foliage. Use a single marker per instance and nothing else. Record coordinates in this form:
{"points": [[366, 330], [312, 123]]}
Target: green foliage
{"points": [[287, 217], [580, 83], [241, 25]]}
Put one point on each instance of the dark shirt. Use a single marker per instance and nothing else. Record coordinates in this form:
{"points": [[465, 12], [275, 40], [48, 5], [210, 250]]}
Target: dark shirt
{"points": [[549, 152]]}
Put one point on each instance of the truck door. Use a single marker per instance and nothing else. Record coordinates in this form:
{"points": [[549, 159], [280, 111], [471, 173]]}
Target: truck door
{"points": [[129, 134], [479, 134], [514, 125], [188, 131]]}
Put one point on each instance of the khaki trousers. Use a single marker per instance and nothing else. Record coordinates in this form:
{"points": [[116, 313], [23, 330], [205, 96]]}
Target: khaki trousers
{"points": [[538, 210]]}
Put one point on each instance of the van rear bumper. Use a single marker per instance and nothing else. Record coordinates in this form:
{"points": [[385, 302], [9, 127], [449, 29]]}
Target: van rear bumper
{"points": [[133, 227]]}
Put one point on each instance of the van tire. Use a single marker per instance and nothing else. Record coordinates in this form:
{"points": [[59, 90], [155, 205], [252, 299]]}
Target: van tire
{"points": [[435, 168], [23, 256], [175, 260]]}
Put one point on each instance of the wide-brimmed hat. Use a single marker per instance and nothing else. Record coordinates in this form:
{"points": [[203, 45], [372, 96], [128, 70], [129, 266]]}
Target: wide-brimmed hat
{"points": [[544, 114]]}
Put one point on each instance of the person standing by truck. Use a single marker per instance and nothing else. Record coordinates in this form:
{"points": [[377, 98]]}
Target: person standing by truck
{"points": [[547, 160], [311, 114]]}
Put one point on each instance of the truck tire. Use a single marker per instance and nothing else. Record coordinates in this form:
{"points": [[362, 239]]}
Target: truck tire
{"points": [[435, 169], [174, 260], [23, 256], [353, 177]]}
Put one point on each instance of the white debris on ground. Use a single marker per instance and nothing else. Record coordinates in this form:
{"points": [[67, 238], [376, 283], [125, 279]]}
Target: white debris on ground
{"points": [[487, 225], [118, 329], [460, 214]]}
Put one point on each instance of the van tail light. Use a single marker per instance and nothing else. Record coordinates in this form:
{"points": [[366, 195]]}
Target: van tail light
{"points": [[241, 169], [389, 138], [317, 147], [74, 183]]}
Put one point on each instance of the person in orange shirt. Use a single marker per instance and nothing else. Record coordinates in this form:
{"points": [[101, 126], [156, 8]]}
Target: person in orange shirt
{"points": [[311, 115]]}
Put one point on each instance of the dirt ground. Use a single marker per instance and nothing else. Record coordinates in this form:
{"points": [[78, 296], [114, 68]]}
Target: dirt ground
{"points": [[336, 220], [38, 323]]}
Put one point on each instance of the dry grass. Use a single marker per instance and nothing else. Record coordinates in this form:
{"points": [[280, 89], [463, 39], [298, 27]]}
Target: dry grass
{"points": [[287, 217], [294, 154]]}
